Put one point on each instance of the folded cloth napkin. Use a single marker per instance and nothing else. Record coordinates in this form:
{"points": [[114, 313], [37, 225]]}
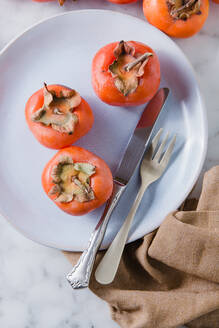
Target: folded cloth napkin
{"points": [[171, 276]]}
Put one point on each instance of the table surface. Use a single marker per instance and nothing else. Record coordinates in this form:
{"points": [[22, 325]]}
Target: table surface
{"points": [[33, 289]]}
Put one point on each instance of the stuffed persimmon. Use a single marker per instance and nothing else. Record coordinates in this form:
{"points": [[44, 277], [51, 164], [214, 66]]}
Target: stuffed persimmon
{"points": [[125, 73], [58, 116], [77, 180], [177, 18]]}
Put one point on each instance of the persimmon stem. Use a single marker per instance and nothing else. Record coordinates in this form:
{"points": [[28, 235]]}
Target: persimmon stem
{"points": [[187, 5], [138, 60]]}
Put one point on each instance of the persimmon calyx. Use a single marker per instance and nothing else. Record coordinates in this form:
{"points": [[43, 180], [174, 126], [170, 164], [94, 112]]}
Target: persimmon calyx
{"points": [[72, 181], [127, 68], [183, 9], [57, 110]]}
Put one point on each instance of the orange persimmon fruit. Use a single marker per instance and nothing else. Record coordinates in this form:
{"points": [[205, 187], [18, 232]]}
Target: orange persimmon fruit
{"points": [[177, 18], [77, 181], [125, 73], [58, 116]]}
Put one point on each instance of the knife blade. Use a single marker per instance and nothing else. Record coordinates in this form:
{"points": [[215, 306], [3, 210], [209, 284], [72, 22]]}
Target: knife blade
{"points": [[140, 138], [80, 275]]}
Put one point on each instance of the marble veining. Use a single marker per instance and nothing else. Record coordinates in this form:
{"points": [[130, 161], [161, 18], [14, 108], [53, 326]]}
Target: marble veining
{"points": [[33, 290]]}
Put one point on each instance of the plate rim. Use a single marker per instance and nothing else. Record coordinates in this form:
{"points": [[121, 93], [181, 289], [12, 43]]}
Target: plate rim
{"points": [[202, 102]]}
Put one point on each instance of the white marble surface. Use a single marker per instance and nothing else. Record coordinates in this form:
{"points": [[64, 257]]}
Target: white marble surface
{"points": [[33, 290]]}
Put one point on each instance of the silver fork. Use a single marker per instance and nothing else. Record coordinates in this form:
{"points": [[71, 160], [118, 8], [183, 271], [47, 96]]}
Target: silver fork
{"points": [[152, 167]]}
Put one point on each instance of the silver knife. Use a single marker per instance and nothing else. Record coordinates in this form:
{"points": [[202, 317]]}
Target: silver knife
{"points": [[79, 277]]}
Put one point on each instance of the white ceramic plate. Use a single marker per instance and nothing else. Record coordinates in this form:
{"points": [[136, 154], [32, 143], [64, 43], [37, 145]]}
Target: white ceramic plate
{"points": [[60, 50]]}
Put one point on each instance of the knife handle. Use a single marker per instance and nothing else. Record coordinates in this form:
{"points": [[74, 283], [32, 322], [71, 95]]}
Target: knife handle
{"points": [[79, 277]]}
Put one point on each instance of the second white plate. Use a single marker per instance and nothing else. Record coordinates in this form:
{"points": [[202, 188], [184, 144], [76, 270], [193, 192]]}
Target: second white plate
{"points": [[60, 50]]}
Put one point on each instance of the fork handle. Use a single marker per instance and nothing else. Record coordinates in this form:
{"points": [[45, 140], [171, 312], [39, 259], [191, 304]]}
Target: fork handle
{"points": [[107, 268], [79, 277]]}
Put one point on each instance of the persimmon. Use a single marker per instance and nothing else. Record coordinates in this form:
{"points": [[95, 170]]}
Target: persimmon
{"points": [[77, 181], [216, 1], [177, 18], [125, 73], [58, 116]]}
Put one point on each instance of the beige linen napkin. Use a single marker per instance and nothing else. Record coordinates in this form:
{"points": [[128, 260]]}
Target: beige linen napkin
{"points": [[171, 276]]}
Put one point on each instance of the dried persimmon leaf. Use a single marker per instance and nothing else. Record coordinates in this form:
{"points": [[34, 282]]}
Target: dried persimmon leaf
{"points": [[127, 68], [183, 10], [86, 168], [57, 110], [71, 181]]}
